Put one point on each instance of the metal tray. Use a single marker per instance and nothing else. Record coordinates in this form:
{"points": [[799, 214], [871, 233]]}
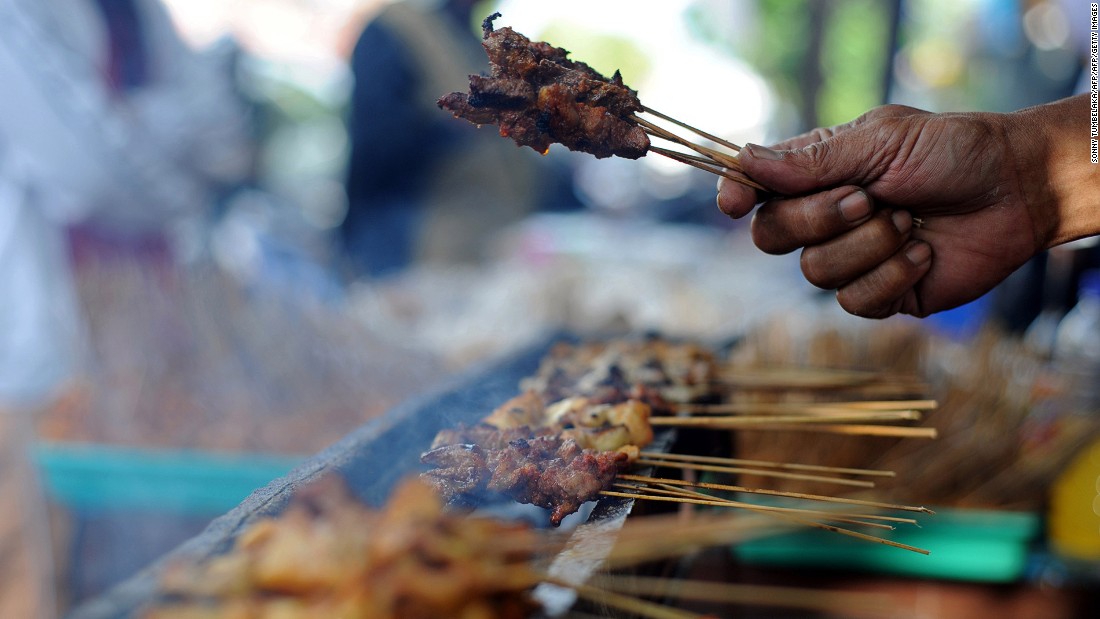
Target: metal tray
{"points": [[372, 459]]}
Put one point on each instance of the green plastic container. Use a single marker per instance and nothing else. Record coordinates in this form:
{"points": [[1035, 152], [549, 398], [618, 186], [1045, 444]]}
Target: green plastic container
{"points": [[966, 545], [88, 477]]}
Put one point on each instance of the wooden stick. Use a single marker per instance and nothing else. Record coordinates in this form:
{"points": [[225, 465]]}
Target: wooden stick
{"points": [[860, 430], [766, 464], [809, 523], [738, 421], [699, 132], [693, 466], [637, 606], [708, 158], [793, 495], [657, 131], [832, 602], [808, 407], [697, 494], [661, 537], [696, 158], [649, 493], [707, 499], [703, 165], [800, 377]]}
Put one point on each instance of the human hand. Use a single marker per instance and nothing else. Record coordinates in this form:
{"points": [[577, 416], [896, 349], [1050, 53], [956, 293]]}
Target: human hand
{"points": [[899, 211]]}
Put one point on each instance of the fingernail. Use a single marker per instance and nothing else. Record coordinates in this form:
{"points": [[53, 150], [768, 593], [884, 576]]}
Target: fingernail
{"points": [[854, 206], [762, 152], [919, 253], [903, 221]]}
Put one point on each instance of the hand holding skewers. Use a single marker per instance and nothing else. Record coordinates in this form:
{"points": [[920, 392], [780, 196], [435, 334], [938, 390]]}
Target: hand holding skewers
{"points": [[904, 211]]}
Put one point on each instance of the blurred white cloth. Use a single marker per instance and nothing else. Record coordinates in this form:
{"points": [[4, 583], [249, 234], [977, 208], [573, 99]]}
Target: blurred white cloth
{"points": [[71, 150]]}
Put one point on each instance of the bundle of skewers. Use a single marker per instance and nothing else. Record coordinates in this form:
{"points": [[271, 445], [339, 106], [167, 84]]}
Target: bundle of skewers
{"points": [[537, 96], [580, 430], [1007, 431]]}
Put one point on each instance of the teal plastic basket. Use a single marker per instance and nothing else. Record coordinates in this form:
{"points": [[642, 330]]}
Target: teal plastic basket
{"points": [[88, 477], [965, 545]]}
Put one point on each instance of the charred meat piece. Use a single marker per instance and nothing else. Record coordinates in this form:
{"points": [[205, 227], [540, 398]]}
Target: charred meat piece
{"points": [[547, 471], [537, 96], [460, 469], [653, 371], [487, 436], [526, 409]]}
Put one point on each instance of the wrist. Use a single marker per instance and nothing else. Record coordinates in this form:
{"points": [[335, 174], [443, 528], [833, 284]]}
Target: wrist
{"points": [[1061, 188]]}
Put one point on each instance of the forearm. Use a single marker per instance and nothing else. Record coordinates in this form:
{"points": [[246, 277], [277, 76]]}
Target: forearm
{"points": [[1051, 143]]}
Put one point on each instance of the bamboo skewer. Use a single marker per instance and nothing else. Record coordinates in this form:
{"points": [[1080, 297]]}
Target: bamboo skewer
{"points": [[696, 162], [695, 493], [833, 602], [811, 378], [747, 408], [809, 523], [699, 132], [695, 158], [637, 606], [859, 483], [713, 161], [657, 131], [765, 464], [864, 430], [738, 421], [706, 499], [782, 493], [662, 537]]}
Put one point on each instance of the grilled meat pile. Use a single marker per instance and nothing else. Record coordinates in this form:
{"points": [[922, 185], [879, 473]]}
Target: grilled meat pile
{"points": [[537, 96], [329, 555], [548, 471]]}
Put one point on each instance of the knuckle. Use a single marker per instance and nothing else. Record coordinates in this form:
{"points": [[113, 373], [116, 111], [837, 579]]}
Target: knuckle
{"points": [[816, 154]]}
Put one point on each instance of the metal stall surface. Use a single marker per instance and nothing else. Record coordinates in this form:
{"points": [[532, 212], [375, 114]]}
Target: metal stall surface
{"points": [[372, 459]]}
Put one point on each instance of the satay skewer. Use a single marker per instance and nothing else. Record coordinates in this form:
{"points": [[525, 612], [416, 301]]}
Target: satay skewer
{"points": [[801, 521], [718, 157], [698, 162], [655, 494], [707, 499], [840, 481], [852, 429], [636, 606], [805, 378], [821, 512], [740, 421], [750, 408], [658, 455], [833, 602], [713, 161], [780, 493], [699, 132]]}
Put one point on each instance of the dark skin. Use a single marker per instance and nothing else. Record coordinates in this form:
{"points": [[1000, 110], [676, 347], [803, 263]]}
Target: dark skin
{"points": [[989, 191]]}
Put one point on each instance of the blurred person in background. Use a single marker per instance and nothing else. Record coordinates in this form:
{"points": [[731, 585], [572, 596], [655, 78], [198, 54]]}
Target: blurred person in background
{"points": [[111, 131], [423, 187]]}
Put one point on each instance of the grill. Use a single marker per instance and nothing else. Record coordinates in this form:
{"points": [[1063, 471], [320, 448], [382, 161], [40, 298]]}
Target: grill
{"points": [[372, 459]]}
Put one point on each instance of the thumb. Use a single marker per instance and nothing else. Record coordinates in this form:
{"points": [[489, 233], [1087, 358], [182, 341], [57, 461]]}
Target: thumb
{"points": [[843, 159]]}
